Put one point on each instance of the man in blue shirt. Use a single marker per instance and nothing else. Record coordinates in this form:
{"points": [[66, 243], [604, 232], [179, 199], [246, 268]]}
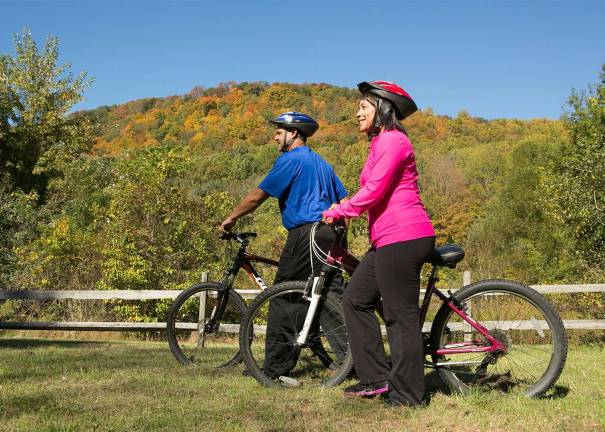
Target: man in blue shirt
{"points": [[305, 185]]}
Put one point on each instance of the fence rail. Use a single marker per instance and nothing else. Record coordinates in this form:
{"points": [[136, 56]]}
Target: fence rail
{"points": [[103, 295], [34, 295]]}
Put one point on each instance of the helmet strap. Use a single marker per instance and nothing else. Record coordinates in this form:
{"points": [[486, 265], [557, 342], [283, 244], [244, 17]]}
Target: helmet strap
{"points": [[285, 145], [376, 126]]}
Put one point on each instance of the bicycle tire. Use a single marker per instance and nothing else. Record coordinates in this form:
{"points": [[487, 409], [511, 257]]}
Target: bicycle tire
{"points": [[310, 368], [515, 314], [191, 346]]}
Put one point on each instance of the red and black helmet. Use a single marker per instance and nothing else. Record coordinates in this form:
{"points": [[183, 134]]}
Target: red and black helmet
{"points": [[403, 102]]}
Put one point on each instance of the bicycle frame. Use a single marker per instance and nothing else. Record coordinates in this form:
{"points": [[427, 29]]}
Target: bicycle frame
{"points": [[457, 308], [253, 274], [243, 260], [340, 257]]}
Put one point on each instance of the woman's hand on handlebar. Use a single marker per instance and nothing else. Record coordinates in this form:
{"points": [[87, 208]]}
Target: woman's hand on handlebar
{"points": [[330, 216]]}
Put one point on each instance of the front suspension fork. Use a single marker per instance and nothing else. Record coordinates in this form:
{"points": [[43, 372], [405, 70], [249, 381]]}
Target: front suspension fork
{"points": [[213, 322], [318, 283]]}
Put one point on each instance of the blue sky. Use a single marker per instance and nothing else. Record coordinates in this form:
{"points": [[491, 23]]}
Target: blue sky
{"points": [[492, 58]]}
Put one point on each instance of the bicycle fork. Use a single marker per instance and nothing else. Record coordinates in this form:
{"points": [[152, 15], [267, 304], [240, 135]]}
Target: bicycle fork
{"points": [[213, 323], [318, 282]]}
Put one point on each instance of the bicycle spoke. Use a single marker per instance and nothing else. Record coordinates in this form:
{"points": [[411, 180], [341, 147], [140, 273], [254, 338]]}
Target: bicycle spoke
{"points": [[517, 322], [188, 340], [277, 353]]}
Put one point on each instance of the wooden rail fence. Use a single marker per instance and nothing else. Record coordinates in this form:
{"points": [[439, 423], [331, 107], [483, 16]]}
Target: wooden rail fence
{"points": [[34, 295]]}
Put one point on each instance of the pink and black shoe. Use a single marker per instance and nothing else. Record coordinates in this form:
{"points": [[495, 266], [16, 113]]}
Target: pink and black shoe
{"points": [[367, 390]]}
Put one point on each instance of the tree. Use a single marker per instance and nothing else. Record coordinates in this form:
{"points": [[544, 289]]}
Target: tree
{"points": [[37, 133], [576, 182], [17, 227]]}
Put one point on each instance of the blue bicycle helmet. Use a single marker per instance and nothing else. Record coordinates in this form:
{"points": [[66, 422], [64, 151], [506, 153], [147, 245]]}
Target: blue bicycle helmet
{"points": [[296, 120]]}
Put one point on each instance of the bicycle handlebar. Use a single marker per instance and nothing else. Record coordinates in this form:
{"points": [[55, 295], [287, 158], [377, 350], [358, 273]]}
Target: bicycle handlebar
{"points": [[240, 237], [339, 226]]}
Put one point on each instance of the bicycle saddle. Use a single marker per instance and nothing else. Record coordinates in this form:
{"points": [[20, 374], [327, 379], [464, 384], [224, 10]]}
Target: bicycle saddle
{"points": [[447, 255]]}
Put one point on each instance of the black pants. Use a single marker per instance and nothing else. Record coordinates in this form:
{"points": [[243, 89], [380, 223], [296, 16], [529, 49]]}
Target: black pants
{"points": [[393, 273], [287, 315]]}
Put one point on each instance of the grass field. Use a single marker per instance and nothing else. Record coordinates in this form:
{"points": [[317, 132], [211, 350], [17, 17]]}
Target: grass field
{"points": [[61, 385]]}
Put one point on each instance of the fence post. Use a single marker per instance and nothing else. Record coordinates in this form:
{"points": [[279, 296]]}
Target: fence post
{"points": [[466, 280], [202, 311], [204, 277]]}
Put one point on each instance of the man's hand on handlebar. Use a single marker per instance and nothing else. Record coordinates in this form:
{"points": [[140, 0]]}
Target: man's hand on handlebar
{"points": [[227, 225]]}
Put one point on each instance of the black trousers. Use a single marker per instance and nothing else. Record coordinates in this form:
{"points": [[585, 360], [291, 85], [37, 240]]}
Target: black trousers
{"points": [[287, 315], [393, 273]]}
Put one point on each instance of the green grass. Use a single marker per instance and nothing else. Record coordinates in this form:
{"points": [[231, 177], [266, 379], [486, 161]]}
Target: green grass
{"points": [[58, 385]]}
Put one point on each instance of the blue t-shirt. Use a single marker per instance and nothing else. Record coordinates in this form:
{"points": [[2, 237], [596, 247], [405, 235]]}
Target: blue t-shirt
{"points": [[305, 186]]}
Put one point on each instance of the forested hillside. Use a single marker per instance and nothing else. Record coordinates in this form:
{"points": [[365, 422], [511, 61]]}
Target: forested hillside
{"points": [[130, 196], [479, 178]]}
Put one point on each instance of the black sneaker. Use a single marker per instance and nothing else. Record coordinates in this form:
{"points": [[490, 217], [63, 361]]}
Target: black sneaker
{"points": [[367, 390], [393, 403]]}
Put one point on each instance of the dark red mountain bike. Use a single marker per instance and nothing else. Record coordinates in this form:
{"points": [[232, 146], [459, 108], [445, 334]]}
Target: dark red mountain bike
{"points": [[203, 322]]}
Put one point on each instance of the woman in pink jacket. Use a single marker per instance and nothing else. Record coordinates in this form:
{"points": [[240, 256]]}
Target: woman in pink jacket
{"points": [[402, 238]]}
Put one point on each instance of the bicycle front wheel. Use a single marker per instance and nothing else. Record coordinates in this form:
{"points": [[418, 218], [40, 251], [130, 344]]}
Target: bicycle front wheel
{"points": [[271, 327], [191, 342], [517, 316]]}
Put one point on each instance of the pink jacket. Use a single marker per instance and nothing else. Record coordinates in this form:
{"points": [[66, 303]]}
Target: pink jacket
{"points": [[389, 193]]}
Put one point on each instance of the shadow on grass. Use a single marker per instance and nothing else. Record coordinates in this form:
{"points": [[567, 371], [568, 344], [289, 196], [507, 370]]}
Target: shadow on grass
{"points": [[557, 392], [45, 343], [15, 406], [435, 385], [58, 356]]}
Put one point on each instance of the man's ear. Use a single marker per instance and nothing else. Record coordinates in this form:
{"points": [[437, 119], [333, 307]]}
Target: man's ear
{"points": [[295, 133]]}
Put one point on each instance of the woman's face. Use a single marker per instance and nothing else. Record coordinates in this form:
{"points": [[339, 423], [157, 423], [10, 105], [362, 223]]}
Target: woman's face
{"points": [[365, 115]]}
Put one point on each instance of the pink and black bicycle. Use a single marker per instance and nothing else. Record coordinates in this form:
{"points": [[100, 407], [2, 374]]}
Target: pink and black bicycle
{"points": [[492, 334]]}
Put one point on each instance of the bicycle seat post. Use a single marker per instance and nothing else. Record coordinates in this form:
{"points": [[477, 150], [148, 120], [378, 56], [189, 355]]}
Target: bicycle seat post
{"points": [[428, 293]]}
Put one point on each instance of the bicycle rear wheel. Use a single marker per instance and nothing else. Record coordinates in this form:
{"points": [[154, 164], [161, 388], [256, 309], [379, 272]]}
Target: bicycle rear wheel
{"points": [[194, 345], [517, 316], [324, 359]]}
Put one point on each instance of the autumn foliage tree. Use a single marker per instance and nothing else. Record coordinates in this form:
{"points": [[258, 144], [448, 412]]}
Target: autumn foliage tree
{"points": [[138, 205], [575, 182], [36, 131], [38, 136]]}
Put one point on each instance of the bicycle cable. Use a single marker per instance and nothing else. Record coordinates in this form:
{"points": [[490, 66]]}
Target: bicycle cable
{"points": [[314, 249]]}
